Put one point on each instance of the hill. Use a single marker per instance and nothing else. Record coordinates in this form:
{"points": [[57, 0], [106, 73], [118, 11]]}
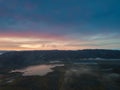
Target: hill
{"points": [[23, 58]]}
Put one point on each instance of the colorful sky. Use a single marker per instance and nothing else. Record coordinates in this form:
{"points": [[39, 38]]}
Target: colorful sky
{"points": [[59, 24]]}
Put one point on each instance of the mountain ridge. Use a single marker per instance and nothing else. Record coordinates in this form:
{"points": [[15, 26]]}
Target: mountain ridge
{"points": [[24, 58]]}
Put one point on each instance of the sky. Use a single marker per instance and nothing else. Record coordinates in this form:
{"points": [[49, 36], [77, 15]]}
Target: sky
{"points": [[59, 24]]}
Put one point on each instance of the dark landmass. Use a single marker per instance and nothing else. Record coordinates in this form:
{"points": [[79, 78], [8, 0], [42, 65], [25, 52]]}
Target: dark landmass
{"points": [[82, 70], [4, 51], [68, 77], [18, 59]]}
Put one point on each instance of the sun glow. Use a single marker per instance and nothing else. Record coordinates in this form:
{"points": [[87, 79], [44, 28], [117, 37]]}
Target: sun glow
{"points": [[25, 43]]}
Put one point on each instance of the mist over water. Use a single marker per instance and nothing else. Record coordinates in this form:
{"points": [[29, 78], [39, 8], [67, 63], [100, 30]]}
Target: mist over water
{"points": [[88, 78], [1, 53]]}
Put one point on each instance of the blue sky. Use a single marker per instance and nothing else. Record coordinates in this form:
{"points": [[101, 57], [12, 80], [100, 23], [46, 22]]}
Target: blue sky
{"points": [[62, 24]]}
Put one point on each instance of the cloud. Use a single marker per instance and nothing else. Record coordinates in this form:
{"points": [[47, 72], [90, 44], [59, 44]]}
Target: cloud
{"points": [[39, 41], [60, 24]]}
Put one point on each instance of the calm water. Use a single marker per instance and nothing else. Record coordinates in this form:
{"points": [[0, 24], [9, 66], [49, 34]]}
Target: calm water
{"points": [[37, 69]]}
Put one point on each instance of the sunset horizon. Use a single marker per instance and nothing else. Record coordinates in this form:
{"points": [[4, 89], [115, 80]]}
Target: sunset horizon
{"points": [[62, 25]]}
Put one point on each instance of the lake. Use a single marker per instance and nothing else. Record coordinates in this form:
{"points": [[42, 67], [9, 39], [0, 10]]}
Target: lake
{"points": [[37, 69]]}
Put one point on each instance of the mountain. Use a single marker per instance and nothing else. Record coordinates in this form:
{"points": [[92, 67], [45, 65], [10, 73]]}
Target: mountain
{"points": [[3, 51]]}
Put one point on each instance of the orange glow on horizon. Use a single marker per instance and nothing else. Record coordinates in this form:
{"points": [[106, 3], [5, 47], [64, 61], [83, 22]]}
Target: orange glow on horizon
{"points": [[35, 44], [33, 41]]}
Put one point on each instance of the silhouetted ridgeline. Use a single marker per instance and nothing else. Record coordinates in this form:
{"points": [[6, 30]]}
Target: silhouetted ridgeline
{"points": [[21, 58]]}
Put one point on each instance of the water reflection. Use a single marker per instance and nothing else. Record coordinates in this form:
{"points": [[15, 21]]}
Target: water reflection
{"points": [[37, 70]]}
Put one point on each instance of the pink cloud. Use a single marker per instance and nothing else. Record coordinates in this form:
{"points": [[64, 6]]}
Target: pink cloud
{"points": [[33, 35]]}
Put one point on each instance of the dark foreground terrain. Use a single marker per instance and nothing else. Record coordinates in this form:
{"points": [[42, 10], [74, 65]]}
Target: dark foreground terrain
{"points": [[68, 77], [92, 73]]}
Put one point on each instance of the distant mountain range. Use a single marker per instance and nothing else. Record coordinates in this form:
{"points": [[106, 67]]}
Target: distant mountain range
{"points": [[4, 51], [23, 58]]}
